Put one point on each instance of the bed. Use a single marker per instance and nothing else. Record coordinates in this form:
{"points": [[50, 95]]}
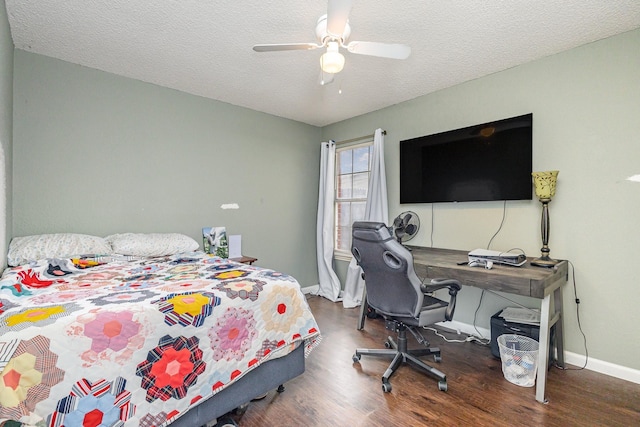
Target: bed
{"points": [[115, 336]]}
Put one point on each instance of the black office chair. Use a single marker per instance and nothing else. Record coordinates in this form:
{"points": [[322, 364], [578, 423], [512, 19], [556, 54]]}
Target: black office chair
{"points": [[396, 293]]}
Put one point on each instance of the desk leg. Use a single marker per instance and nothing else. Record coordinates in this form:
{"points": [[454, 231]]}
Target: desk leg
{"points": [[363, 310], [548, 319], [543, 348], [559, 332]]}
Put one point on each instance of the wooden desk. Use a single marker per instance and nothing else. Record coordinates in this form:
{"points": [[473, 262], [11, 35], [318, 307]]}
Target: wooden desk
{"points": [[527, 280]]}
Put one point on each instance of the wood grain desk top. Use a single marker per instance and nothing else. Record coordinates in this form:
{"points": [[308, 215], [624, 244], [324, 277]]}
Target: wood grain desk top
{"points": [[526, 280]]}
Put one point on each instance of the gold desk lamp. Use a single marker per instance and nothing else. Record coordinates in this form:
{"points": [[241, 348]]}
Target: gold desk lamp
{"points": [[545, 185]]}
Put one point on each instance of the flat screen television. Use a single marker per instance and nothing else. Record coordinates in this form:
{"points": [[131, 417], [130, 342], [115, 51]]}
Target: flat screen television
{"points": [[490, 161]]}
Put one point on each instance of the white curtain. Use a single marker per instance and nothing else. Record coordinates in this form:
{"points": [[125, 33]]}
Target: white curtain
{"points": [[376, 209], [329, 284]]}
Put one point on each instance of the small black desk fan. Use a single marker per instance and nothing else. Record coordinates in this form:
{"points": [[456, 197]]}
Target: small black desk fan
{"points": [[406, 226]]}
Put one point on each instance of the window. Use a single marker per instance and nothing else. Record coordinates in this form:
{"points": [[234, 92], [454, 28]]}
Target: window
{"points": [[353, 167]]}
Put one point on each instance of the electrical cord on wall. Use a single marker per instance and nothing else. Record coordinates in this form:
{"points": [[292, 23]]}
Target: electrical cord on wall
{"points": [[482, 340], [504, 214], [432, 223], [584, 337]]}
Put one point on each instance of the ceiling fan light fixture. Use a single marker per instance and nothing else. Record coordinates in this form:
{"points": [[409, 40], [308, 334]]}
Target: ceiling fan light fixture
{"points": [[332, 61]]}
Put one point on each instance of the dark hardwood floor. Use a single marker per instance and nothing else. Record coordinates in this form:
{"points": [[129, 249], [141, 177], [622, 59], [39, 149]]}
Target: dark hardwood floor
{"points": [[334, 391]]}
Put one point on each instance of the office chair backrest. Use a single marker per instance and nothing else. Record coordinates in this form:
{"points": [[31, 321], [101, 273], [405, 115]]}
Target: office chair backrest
{"points": [[393, 288]]}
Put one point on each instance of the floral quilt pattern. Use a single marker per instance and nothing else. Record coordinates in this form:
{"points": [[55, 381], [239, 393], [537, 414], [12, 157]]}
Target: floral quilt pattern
{"points": [[115, 342]]}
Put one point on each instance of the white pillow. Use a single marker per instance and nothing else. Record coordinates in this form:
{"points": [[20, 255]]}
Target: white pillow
{"points": [[151, 244], [23, 250]]}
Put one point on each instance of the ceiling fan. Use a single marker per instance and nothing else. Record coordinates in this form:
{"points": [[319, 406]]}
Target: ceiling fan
{"points": [[333, 31]]}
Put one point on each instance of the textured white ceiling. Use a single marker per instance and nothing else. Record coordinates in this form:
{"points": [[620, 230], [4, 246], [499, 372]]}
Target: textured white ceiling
{"points": [[204, 47]]}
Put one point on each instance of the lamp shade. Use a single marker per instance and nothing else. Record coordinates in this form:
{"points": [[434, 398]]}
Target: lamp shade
{"points": [[545, 184], [332, 61]]}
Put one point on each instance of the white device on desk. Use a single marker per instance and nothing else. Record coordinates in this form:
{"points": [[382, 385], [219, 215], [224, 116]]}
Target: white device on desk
{"points": [[506, 258], [485, 263]]}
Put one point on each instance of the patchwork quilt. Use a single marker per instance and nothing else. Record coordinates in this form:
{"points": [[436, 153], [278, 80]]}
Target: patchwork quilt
{"points": [[118, 342]]}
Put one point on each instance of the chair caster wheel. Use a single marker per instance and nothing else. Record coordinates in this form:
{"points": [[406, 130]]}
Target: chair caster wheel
{"points": [[387, 344], [355, 358], [386, 387], [437, 358], [442, 385]]}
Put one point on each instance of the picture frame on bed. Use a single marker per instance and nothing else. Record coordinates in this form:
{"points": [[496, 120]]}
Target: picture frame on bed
{"points": [[214, 241]]}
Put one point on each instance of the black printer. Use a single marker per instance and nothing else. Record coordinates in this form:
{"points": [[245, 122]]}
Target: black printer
{"points": [[499, 327]]}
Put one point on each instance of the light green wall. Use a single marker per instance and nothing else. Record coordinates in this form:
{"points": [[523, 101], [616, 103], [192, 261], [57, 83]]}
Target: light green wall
{"points": [[586, 113], [6, 133], [97, 153]]}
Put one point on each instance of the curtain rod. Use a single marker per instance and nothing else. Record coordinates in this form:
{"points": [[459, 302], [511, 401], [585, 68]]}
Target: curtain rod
{"points": [[347, 141]]}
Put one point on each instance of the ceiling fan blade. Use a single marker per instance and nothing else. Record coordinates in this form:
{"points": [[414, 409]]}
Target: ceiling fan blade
{"points": [[325, 78], [285, 46], [384, 50], [337, 16]]}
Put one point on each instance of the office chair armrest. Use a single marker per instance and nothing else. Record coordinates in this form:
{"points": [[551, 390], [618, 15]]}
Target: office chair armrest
{"points": [[452, 285]]}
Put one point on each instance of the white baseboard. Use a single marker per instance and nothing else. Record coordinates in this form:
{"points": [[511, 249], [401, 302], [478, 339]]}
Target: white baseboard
{"points": [[313, 290], [603, 367], [600, 366]]}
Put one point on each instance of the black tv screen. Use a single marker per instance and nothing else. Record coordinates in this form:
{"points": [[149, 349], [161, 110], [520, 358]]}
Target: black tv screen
{"points": [[490, 161]]}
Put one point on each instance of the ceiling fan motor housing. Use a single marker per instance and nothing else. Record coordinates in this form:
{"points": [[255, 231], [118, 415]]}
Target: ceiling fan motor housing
{"points": [[324, 37]]}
